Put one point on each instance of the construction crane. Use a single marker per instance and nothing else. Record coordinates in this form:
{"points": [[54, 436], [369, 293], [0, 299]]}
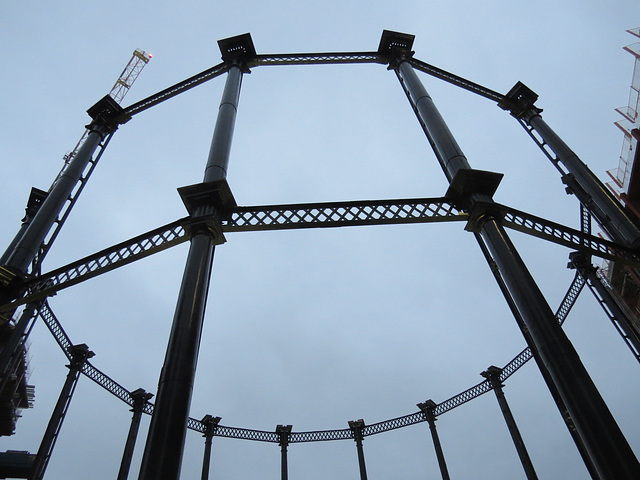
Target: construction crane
{"points": [[15, 393]]}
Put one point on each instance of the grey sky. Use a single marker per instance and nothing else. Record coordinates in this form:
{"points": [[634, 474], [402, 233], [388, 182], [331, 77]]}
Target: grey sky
{"points": [[314, 328]]}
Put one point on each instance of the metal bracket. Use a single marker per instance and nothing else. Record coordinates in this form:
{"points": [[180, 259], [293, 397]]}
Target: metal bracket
{"points": [[469, 182], [519, 100], [394, 45], [238, 50], [208, 204]]}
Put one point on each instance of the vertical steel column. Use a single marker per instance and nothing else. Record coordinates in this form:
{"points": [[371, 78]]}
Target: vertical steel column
{"points": [[602, 437], [427, 408], [582, 263], [591, 192], [162, 457], [284, 431], [26, 248], [79, 355], [140, 399], [356, 427], [543, 370], [493, 375], [210, 423]]}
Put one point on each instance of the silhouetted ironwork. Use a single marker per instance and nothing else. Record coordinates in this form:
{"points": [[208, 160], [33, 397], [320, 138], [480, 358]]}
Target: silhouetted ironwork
{"points": [[493, 375], [139, 399], [79, 354], [357, 427], [427, 409], [213, 212]]}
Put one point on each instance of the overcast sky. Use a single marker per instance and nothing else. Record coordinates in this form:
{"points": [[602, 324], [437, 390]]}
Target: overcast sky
{"points": [[314, 328]]}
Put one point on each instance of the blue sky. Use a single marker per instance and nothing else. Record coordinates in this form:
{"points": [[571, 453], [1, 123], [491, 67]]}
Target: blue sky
{"points": [[314, 328]]}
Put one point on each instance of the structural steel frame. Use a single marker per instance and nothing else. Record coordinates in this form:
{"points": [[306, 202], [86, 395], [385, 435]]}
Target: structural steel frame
{"points": [[213, 213]]}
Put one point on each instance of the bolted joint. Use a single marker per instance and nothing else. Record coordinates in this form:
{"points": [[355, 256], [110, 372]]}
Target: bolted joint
{"points": [[357, 426], [107, 115], [493, 375], [481, 213], [283, 432], [581, 261], [79, 354], [428, 409], [469, 185], [210, 424], [140, 397], [395, 47], [208, 204], [36, 197], [239, 51], [520, 102]]}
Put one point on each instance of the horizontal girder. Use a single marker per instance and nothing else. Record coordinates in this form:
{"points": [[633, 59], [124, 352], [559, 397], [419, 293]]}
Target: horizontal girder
{"points": [[319, 435], [316, 215]]}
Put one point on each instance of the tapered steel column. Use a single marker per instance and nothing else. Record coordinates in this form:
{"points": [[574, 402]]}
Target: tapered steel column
{"points": [[605, 444], [493, 375], [581, 181], [140, 398], [79, 355], [284, 431], [356, 427], [427, 408], [162, 457]]}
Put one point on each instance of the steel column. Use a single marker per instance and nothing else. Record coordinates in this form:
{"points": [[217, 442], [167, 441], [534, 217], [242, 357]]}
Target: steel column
{"points": [[284, 431], [162, 457], [582, 263], [210, 423], [590, 190], [493, 375], [27, 247], [140, 398], [356, 427], [427, 408], [543, 370], [611, 454], [79, 355]]}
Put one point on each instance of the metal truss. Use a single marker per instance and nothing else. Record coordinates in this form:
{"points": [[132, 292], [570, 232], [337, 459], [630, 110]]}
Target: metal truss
{"points": [[457, 81], [569, 237], [318, 58], [296, 216], [123, 394], [51, 321], [174, 90], [339, 214], [104, 261], [315, 215]]}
